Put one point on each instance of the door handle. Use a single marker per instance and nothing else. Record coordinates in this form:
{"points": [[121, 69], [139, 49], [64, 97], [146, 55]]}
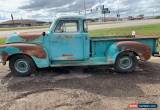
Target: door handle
{"points": [[54, 41], [67, 37]]}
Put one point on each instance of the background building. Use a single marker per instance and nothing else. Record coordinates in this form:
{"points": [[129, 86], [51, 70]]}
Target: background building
{"points": [[22, 23]]}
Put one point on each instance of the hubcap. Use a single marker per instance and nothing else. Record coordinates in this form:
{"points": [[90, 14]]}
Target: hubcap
{"points": [[21, 66], [125, 62]]}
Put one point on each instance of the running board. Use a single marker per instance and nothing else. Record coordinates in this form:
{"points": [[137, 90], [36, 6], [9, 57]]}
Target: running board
{"points": [[89, 62]]}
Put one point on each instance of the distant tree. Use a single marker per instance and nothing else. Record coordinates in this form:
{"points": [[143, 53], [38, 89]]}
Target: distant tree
{"points": [[157, 17]]}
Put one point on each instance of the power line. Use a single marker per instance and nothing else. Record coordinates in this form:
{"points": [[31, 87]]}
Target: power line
{"points": [[84, 3]]}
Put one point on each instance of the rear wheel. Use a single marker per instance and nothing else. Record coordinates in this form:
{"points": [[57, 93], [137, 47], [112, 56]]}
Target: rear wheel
{"points": [[126, 63], [22, 65]]}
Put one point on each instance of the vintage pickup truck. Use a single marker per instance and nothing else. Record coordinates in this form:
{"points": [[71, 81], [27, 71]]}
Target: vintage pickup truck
{"points": [[67, 43]]}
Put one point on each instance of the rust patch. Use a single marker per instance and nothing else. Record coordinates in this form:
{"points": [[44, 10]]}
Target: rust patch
{"points": [[29, 36], [5, 56], [29, 49], [142, 50], [3, 37]]}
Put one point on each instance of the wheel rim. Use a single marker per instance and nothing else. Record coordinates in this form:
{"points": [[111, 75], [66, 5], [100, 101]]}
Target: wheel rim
{"points": [[125, 62], [21, 66]]}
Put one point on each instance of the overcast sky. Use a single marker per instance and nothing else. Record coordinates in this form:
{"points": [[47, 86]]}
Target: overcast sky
{"points": [[47, 9]]}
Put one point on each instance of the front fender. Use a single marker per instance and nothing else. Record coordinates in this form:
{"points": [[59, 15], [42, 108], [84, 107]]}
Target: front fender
{"points": [[140, 49], [36, 52]]}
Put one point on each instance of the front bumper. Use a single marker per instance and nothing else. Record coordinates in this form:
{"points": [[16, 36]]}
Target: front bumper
{"points": [[1, 61]]}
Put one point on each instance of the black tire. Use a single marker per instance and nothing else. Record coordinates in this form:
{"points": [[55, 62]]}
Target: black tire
{"points": [[22, 65], [126, 63]]}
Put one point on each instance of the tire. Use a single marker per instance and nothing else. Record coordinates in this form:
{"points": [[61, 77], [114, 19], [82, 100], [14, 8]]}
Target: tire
{"points": [[22, 65], [126, 63]]}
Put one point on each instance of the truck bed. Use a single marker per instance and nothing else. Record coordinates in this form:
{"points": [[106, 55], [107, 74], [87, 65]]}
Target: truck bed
{"points": [[100, 45]]}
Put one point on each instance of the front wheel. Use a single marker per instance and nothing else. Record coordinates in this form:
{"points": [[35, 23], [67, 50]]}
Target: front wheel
{"points": [[22, 65], [126, 63]]}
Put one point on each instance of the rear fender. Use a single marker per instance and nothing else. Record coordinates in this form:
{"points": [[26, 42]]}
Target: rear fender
{"points": [[36, 52], [140, 49]]}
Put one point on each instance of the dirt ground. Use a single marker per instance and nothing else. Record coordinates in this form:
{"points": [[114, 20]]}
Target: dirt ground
{"points": [[80, 88]]}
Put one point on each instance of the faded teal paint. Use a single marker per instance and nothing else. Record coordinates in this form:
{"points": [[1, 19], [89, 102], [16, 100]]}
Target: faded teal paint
{"points": [[41, 63], [107, 47], [91, 61], [151, 42], [112, 53], [73, 49], [68, 46]]}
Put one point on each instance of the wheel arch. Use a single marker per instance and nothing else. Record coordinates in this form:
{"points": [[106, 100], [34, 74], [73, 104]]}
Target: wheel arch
{"points": [[141, 50], [39, 63], [130, 67], [138, 49], [20, 54], [127, 52], [37, 52]]}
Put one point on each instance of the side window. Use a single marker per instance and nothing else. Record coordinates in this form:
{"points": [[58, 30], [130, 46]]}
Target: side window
{"points": [[67, 26]]}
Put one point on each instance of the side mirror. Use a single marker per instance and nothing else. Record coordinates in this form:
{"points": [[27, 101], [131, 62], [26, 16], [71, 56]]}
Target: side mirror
{"points": [[44, 33]]}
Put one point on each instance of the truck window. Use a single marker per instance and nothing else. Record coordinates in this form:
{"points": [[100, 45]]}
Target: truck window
{"points": [[67, 26], [85, 27]]}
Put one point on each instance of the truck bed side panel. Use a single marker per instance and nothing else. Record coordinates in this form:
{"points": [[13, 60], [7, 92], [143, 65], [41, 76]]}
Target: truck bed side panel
{"points": [[101, 46]]}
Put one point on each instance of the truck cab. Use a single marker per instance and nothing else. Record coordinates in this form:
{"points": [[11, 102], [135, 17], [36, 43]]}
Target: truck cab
{"points": [[68, 39]]}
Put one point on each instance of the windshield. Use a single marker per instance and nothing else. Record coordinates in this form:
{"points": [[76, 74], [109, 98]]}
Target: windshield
{"points": [[52, 24]]}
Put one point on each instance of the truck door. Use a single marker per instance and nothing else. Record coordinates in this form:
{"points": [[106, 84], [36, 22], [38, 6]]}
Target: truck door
{"points": [[67, 43]]}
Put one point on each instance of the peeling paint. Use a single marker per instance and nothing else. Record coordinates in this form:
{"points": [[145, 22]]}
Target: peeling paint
{"points": [[5, 56], [29, 36], [29, 49]]}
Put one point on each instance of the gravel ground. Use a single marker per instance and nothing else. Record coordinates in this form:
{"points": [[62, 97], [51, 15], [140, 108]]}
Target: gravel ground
{"points": [[80, 88]]}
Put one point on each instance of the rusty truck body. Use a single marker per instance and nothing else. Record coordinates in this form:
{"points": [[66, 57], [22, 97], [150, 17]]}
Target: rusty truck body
{"points": [[67, 43]]}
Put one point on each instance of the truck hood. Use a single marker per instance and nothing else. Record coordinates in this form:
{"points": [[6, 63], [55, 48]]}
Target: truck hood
{"points": [[25, 38], [2, 39]]}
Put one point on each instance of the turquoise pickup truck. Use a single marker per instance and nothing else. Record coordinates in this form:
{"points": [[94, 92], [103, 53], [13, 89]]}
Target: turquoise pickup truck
{"points": [[67, 43]]}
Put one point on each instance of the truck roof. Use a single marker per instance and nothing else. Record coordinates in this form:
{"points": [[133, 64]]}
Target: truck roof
{"points": [[70, 17]]}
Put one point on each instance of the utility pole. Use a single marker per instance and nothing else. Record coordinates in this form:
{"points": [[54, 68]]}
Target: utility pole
{"points": [[104, 12], [12, 19], [22, 22], [84, 4], [118, 13], [100, 3]]}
